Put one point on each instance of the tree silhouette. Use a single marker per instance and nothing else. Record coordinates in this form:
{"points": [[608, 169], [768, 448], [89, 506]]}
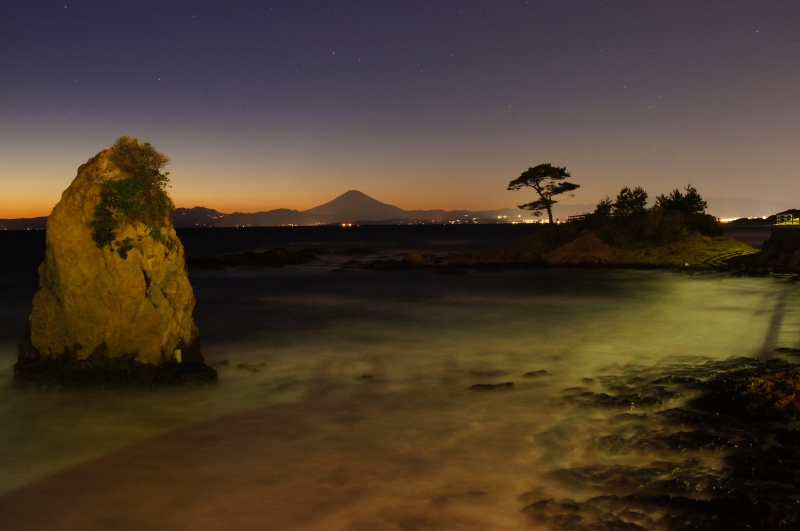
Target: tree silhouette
{"points": [[548, 181], [690, 202], [630, 201], [604, 207]]}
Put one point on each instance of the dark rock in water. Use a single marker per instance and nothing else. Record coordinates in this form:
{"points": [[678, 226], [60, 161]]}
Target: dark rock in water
{"points": [[776, 361], [489, 387], [389, 265], [251, 367], [534, 374], [317, 251], [788, 351], [626, 400], [789, 437], [355, 252], [770, 392], [576, 390], [738, 510], [698, 440], [778, 464], [660, 477], [488, 374], [674, 379], [682, 416], [251, 259], [452, 271], [644, 441], [415, 259], [220, 364]]}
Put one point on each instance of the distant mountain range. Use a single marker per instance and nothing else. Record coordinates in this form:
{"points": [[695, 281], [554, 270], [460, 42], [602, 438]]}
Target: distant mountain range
{"points": [[358, 208], [23, 223], [351, 207]]}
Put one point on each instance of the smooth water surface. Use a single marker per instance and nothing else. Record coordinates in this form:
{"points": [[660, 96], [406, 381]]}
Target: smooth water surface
{"points": [[344, 400]]}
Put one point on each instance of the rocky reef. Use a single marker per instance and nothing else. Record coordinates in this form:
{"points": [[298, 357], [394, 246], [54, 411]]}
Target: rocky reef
{"points": [[114, 304], [725, 459], [254, 260]]}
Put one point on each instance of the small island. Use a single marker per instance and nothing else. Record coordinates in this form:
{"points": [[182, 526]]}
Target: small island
{"points": [[675, 232]]}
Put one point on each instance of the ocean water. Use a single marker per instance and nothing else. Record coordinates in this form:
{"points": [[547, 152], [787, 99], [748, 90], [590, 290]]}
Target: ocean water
{"points": [[345, 400]]}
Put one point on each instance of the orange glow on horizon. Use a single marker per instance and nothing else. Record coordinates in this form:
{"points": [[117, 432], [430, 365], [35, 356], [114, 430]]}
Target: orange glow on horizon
{"points": [[33, 208], [18, 209]]}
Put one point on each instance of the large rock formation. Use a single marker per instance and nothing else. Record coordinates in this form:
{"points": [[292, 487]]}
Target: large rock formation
{"points": [[115, 303]]}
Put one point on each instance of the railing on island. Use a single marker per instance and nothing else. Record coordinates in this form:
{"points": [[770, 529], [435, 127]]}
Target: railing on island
{"points": [[579, 217], [787, 220]]}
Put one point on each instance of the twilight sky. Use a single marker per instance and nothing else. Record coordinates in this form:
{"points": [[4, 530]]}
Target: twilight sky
{"points": [[422, 104]]}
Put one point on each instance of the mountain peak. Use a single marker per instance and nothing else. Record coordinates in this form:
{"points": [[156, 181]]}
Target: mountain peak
{"points": [[356, 205]]}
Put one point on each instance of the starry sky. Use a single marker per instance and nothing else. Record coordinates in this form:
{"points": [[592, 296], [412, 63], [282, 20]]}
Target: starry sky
{"points": [[422, 104]]}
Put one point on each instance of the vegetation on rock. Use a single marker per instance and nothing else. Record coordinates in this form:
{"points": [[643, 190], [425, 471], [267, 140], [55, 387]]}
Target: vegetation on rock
{"points": [[691, 202], [141, 197], [630, 201], [667, 221]]}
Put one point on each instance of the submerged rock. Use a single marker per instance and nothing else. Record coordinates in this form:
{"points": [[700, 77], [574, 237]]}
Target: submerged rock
{"points": [[788, 351], [252, 259], [114, 304], [490, 387], [534, 374]]}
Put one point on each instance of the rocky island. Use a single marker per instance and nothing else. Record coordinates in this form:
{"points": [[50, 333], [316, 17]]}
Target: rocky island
{"points": [[114, 304], [675, 232], [649, 239]]}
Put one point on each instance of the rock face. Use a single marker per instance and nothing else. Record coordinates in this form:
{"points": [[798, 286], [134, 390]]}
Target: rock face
{"points": [[120, 313], [781, 252]]}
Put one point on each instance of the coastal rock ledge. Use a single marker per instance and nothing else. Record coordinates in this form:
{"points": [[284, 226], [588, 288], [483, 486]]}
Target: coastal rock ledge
{"points": [[114, 305]]}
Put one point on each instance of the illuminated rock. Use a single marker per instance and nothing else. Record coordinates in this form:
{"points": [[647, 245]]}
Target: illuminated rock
{"points": [[111, 312], [415, 259]]}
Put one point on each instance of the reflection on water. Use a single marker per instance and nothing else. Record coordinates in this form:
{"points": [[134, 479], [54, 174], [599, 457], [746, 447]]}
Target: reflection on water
{"points": [[344, 402]]}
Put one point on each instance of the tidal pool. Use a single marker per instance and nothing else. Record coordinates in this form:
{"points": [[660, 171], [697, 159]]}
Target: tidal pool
{"points": [[346, 401]]}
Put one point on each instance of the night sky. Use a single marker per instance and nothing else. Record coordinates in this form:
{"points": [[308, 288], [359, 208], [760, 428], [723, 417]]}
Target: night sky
{"points": [[422, 104]]}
